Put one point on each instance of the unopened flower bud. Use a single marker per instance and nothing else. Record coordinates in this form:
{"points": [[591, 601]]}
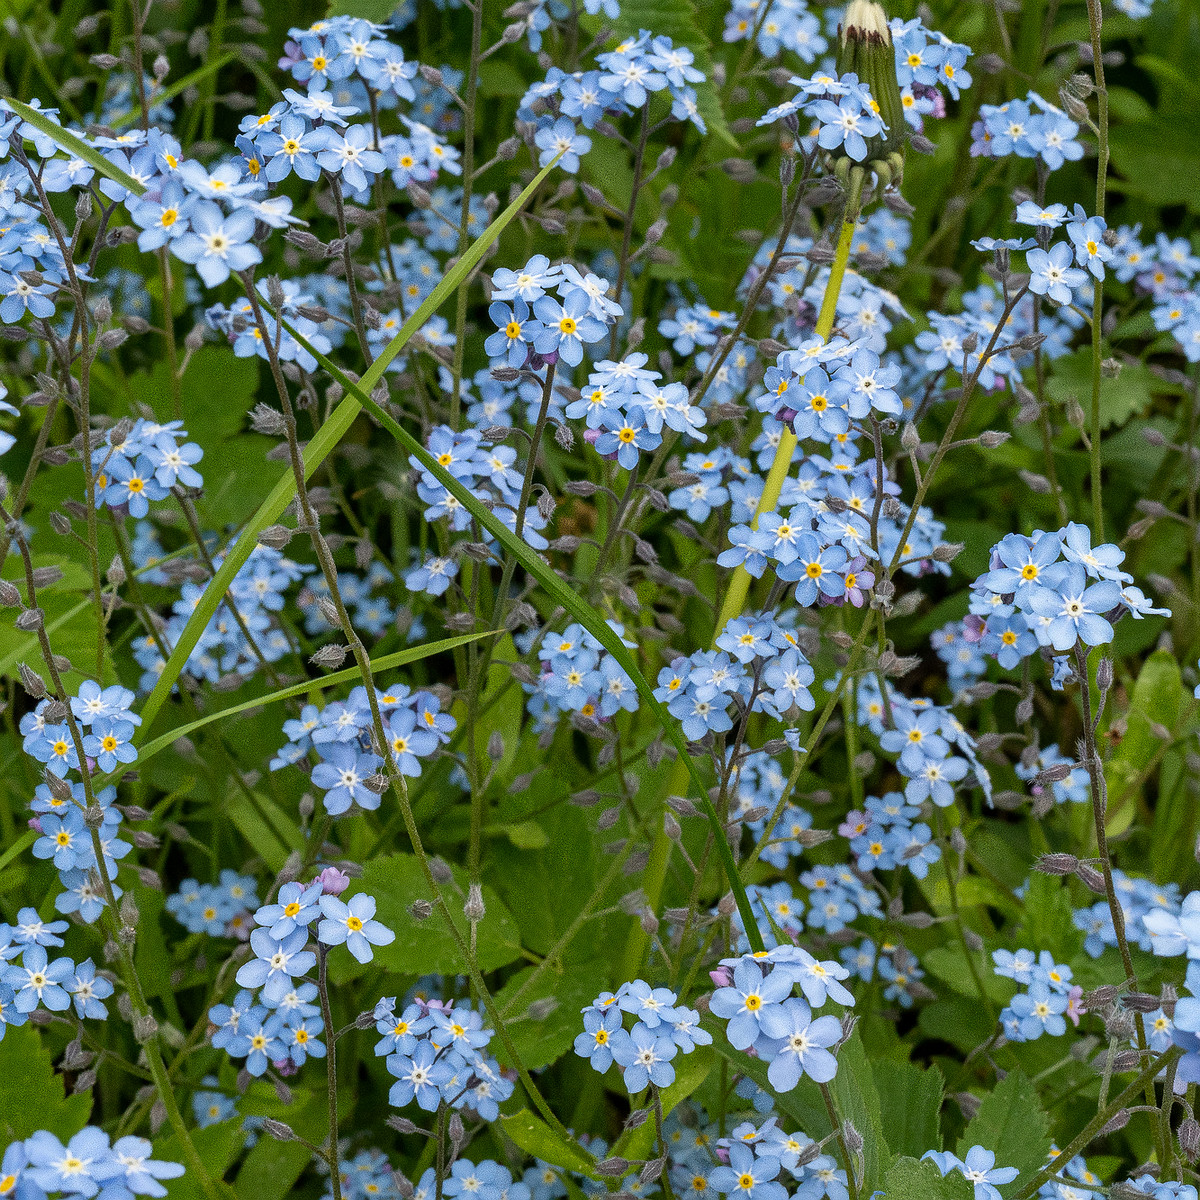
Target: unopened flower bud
{"points": [[474, 909]]}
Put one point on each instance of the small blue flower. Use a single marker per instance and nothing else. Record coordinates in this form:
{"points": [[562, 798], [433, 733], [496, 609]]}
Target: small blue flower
{"points": [[352, 922]]}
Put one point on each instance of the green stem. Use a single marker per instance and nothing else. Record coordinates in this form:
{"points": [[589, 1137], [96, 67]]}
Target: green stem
{"points": [[1094, 20]]}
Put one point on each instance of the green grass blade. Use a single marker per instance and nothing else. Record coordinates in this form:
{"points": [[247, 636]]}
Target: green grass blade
{"points": [[385, 662], [76, 145], [180, 85], [317, 450], [590, 618]]}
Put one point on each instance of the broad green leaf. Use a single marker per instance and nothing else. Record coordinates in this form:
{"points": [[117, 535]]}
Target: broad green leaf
{"points": [[535, 1137], [857, 1100], [910, 1179], [271, 832], [427, 947], [910, 1104], [525, 835], [32, 1095], [1011, 1123], [369, 10], [1157, 698], [541, 1041], [949, 964]]}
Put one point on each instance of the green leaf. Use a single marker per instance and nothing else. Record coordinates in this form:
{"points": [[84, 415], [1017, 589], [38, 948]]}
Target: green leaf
{"points": [[910, 1105], [949, 964], [385, 662], [369, 10], [1157, 698], [677, 20], [1158, 161], [540, 1042], [218, 1145], [266, 827], [32, 1096], [910, 1179], [525, 835], [330, 433], [1122, 398], [535, 1137], [1011, 1123], [427, 947], [857, 1100], [691, 1071]]}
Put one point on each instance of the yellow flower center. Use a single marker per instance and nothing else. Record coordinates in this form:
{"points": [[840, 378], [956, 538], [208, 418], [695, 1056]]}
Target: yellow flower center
{"points": [[354, 924]]}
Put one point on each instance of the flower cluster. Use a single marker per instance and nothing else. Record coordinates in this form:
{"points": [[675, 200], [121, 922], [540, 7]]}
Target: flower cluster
{"points": [[763, 1014], [435, 1050], [30, 980], [340, 735], [662, 1029], [1048, 996], [622, 83], [137, 463], [1029, 128], [1038, 596], [42, 1166], [281, 1025], [843, 112]]}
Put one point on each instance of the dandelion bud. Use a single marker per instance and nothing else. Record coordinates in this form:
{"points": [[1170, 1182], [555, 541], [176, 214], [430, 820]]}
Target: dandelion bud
{"points": [[865, 47]]}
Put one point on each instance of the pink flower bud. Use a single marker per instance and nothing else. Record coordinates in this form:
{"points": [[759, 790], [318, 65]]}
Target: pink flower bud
{"points": [[722, 976], [333, 882]]}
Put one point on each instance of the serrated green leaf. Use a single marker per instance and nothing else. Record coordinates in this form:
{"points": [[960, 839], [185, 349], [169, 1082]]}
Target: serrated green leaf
{"points": [[1012, 1124], [535, 1137], [910, 1105], [32, 1095], [910, 1179]]}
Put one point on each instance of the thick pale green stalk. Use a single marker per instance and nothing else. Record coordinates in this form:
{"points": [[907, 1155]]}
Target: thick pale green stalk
{"points": [[655, 873], [739, 585]]}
